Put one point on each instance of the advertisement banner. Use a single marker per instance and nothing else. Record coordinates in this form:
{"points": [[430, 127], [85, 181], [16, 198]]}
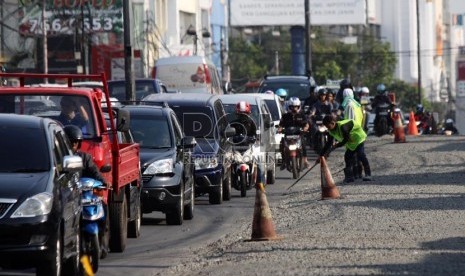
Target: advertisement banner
{"points": [[292, 12], [70, 17]]}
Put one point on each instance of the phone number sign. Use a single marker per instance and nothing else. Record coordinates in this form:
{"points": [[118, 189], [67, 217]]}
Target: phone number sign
{"points": [[69, 20]]}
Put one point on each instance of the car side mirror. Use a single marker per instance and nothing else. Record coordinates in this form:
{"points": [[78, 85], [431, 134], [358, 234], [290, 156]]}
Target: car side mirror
{"points": [[188, 142], [72, 163], [229, 132]]}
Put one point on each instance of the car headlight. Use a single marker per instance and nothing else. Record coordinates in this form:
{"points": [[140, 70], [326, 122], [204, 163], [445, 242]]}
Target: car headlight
{"points": [[159, 167], [206, 162], [38, 205]]}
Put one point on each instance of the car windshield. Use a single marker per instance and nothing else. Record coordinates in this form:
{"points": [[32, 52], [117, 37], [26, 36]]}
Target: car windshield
{"points": [[197, 121], [67, 110], [294, 89], [143, 88], [23, 150], [230, 110], [150, 132], [274, 107]]}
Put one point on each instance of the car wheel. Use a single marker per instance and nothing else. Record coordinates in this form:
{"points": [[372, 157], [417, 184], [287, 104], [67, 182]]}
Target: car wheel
{"points": [[118, 225], [134, 226], [176, 215], [73, 264], [215, 196], [53, 266], [189, 208], [227, 188]]}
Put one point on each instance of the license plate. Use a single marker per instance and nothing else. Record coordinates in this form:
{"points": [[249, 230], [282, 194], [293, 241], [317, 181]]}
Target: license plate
{"points": [[383, 113]]}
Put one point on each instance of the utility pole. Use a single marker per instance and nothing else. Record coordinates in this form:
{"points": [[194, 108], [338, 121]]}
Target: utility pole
{"points": [[308, 37], [128, 53], [44, 40], [418, 51], [276, 62]]}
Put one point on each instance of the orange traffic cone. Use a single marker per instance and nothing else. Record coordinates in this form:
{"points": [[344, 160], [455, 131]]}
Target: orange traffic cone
{"points": [[399, 132], [328, 188], [412, 125], [262, 226]]}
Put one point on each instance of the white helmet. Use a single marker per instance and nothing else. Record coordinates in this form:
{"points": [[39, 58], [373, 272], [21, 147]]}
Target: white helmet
{"points": [[365, 90], [449, 121], [293, 101]]}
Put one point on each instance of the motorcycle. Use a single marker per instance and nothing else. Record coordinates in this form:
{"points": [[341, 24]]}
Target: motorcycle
{"points": [[293, 150], [382, 120], [320, 134], [93, 219], [244, 165]]}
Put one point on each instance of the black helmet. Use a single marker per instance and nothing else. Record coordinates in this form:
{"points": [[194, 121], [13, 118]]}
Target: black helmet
{"points": [[322, 91], [345, 83], [74, 133]]}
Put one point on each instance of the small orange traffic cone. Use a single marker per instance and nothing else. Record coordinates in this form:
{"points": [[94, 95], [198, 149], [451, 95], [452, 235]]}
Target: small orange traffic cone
{"points": [[262, 226], [412, 125], [328, 188], [399, 132]]}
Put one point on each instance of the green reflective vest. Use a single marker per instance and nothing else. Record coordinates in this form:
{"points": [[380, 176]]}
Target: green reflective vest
{"points": [[357, 135]]}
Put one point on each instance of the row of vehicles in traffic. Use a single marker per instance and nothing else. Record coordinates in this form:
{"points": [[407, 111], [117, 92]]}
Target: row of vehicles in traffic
{"points": [[156, 154]]}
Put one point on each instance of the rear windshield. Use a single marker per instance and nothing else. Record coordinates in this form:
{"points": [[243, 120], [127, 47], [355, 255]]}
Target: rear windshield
{"points": [[23, 150], [230, 110], [143, 88], [196, 121], [187, 78], [150, 132], [67, 110], [294, 89]]}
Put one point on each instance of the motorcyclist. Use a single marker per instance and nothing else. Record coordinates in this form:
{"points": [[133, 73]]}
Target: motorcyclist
{"points": [[282, 94], [366, 107], [312, 98], [244, 124], [380, 99], [449, 126], [423, 118], [321, 108], [90, 170], [293, 118]]}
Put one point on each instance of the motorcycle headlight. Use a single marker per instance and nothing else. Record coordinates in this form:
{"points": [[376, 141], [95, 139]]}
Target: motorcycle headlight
{"points": [[206, 162], [159, 167], [38, 205]]}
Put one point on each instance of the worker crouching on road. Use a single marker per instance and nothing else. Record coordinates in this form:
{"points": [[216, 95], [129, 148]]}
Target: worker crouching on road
{"points": [[351, 135]]}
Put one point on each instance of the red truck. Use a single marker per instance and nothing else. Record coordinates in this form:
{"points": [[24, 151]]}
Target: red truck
{"points": [[118, 162]]}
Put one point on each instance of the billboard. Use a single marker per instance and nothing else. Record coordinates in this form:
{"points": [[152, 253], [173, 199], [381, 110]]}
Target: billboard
{"points": [[292, 12]]}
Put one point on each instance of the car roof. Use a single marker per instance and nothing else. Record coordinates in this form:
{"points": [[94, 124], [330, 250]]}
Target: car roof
{"points": [[290, 78], [12, 120], [194, 99], [146, 109], [251, 98]]}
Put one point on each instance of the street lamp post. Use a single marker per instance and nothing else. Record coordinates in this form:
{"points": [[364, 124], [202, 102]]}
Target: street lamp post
{"points": [[418, 52], [308, 38]]}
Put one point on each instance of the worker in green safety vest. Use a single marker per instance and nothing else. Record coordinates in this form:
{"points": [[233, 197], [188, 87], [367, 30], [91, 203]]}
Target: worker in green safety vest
{"points": [[351, 135]]}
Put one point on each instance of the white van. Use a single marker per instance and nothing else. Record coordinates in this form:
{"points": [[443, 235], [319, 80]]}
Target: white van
{"points": [[188, 74]]}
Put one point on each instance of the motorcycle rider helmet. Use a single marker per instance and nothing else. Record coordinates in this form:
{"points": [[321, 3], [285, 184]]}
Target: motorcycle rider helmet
{"points": [[243, 107], [381, 88], [365, 91], [420, 108], [74, 134], [449, 121], [345, 83], [269, 92], [282, 94], [294, 102], [322, 90]]}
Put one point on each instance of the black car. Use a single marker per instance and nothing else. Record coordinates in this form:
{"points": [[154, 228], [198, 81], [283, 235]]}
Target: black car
{"points": [[144, 87], [166, 162], [295, 85], [40, 203], [202, 116]]}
